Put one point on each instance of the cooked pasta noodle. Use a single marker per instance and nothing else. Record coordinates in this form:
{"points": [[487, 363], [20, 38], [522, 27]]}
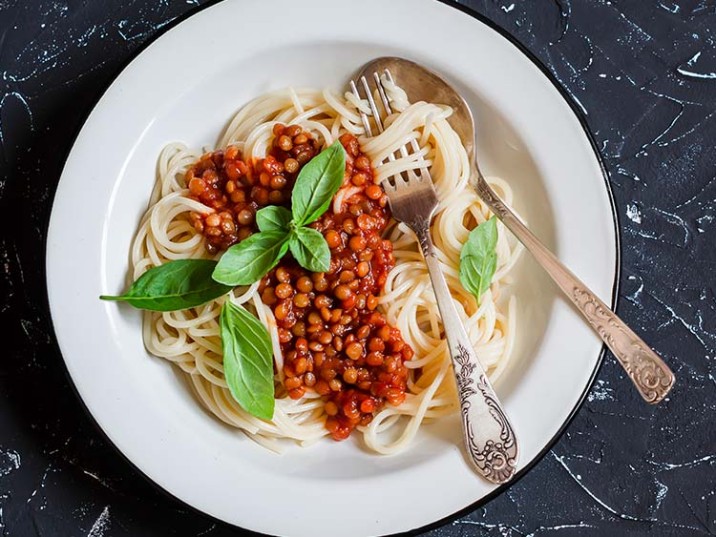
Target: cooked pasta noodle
{"points": [[190, 338]]}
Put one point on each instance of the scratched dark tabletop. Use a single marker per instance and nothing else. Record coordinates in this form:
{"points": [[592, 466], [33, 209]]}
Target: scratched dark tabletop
{"points": [[644, 74]]}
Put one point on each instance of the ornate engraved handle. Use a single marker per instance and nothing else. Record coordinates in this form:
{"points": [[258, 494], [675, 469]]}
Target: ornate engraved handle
{"points": [[651, 376], [489, 438]]}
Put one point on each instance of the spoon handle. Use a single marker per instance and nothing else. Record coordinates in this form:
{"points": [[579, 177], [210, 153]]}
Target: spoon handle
{"points": [[651, 376], [489, 438]]}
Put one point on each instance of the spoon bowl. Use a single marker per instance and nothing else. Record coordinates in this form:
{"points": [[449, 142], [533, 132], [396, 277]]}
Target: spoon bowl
{"points": [[421, 84]]}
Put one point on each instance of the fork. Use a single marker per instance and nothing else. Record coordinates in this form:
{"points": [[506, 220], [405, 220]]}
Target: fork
{"points": [[489, 438]]}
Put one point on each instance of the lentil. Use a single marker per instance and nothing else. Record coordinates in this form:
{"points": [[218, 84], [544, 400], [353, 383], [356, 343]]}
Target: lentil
{"points": [[333, 338]]}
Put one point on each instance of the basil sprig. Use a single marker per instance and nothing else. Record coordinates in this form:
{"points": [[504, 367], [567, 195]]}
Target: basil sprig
{"points": [[248, 360], [186, 283], [478, 258], [316, 184], [176, 285]]}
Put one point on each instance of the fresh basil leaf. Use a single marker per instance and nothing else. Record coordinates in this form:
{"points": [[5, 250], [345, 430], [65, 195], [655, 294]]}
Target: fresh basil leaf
{"points": [[317, 183], [310, 249], [248, 261], [273, 218], [476, 274], [248, 360], [175, 285], [478, 259], [482, 240]]}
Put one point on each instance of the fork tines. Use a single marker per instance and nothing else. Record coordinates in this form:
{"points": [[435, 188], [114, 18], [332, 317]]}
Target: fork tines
{"points": [[411, 194], [379, 121]]}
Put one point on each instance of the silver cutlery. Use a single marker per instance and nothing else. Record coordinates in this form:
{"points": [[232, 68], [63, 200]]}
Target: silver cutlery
{"points": [[651, 376], [489, 438]]}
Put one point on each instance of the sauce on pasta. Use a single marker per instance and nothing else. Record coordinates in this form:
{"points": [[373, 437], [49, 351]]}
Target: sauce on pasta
{"points": [[202, 205], [333, 339]]}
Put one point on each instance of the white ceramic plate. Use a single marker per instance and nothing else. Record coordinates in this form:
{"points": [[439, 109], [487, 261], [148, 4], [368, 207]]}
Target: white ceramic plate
{"points": [[184, 87]]}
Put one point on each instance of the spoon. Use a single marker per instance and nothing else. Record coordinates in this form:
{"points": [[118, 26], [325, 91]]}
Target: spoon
{"points": [[650, 375]]}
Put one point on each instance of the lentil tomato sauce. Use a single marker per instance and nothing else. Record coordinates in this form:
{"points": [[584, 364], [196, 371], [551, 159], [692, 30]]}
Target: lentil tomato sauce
{"points": [[333, 338]]}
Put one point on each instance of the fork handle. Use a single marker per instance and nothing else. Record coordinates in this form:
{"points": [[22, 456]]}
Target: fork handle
{"points": [[489, 437], [651, 376]]}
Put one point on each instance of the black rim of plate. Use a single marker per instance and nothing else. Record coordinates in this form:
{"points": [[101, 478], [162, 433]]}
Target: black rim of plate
{"points": [[615, 286]]}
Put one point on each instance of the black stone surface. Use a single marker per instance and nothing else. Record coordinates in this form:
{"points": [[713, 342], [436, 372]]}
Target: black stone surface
{"points": [[644, 74]]}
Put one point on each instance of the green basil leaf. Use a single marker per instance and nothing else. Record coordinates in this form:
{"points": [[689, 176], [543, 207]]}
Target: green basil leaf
{"points": [[310, 249], [248, 360], [248, 261], [175, 285], [273, 218], [317, 183], [478, 259], [482, 240]]}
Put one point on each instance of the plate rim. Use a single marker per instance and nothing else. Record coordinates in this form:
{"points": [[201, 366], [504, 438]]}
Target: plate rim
{"points": [[616, 284]]}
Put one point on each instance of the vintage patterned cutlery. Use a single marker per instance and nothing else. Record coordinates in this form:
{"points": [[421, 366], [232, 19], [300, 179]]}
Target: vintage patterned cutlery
{"points": [[651, 376], [489, 437]]}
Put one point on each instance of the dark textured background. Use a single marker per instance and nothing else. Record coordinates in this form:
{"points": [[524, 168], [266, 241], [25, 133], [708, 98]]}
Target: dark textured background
{"points": [[643, 72]]}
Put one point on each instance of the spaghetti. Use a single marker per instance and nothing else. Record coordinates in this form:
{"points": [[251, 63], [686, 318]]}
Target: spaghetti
{"points": [[190, 338]]}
